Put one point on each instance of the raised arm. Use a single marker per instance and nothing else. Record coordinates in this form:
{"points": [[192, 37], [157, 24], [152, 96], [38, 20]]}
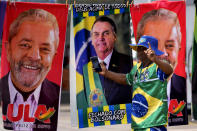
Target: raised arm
{"points": [[163, 65], [117, 77]]}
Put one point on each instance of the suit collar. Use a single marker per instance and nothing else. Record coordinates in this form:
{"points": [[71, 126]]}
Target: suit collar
{"points": [[106, 60], [113, 65]]}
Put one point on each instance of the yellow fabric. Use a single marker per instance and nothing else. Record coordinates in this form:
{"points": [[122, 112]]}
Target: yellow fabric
{"points": [[83, 24], [116, 11], [79, 83], [106, 108], [101, 12], [153, 103], [89, 122], [91, 77], [85, 14], [124, 120]]}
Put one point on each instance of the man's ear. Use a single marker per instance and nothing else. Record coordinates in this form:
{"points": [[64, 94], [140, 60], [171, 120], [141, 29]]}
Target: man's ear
{"points": [[179, 46], [8, 48], [115, 37]]}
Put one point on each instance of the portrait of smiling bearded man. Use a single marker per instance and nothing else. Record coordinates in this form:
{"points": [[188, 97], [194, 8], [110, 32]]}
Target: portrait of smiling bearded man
{"points": [[32, 44]]}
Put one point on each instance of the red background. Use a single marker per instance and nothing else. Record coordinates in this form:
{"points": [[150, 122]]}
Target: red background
{"points": [[179, 7], [61, 13]]}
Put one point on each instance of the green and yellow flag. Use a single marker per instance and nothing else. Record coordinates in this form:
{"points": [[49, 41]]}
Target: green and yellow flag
{"points": [[92, 107]]}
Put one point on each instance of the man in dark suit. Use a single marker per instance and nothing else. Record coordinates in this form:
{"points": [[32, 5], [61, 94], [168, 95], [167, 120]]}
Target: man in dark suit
{"points": [[164, 25], [49, 96], [107, 92], [32, 44]]}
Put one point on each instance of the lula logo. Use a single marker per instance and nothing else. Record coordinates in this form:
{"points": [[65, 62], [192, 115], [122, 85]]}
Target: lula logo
{"points": [[176, 108], [41, 113]]}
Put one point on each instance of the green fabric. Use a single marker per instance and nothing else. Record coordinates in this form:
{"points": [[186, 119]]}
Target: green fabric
{"points": [[94, 93], [117, 107], [81, 100], [147, 88]]}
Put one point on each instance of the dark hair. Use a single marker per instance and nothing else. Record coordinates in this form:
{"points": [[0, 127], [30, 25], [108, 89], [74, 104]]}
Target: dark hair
{"points": [[106, 19]]}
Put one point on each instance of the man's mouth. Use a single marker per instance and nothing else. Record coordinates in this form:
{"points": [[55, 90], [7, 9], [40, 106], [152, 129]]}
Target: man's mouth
{"points": [[30, 67]]}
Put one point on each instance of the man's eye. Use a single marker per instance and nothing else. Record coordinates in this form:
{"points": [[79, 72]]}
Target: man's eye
{"points": [[106, 33], [96, 34], [169, 46], [45, 50], [24, 45]]}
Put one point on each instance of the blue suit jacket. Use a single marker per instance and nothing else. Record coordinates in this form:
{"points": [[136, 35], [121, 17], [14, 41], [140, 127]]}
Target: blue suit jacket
{"points": [[49, 96], [116, 93]]}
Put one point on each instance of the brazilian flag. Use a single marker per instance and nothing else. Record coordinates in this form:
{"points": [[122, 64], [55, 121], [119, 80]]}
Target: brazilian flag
{"points": [[149, 100], [83, 50], [114, 114]]}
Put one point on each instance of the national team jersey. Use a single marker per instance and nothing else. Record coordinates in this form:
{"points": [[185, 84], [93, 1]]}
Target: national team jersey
{"points": [[149, 99]]}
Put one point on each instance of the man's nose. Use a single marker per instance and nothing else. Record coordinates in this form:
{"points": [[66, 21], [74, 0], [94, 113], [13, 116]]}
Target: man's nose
{"points": [[161, 47], [101, 36], [34, 53], [165, 52]]}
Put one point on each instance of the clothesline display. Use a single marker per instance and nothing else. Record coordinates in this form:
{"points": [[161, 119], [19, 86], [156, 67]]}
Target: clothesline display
{"points": [[99, 101]]}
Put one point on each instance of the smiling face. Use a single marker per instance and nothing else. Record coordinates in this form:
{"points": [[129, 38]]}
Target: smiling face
{"points": [[168, 42], [30, 54], [103, 39]]}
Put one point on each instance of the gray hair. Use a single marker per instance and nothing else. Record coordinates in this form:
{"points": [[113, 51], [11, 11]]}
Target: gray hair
{"points": [[160, 14], [33, 15]]}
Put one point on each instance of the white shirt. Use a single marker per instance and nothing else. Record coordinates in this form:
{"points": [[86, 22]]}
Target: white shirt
{"points": [[106, 60], [16, 98]]}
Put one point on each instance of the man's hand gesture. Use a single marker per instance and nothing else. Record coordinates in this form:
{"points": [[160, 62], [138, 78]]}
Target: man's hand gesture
{"points": [[150, 53], [104, 69]]}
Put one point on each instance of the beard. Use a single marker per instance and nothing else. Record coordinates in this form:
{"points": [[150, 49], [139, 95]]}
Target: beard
{"points": [[165, 60], [28, 72]]}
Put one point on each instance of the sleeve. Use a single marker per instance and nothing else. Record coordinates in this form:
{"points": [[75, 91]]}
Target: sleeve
{"points": [[161, 75], [129, 78]]}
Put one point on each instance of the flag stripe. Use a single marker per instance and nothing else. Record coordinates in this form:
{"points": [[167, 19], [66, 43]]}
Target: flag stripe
{"points": [[87, 84], [89, 122], [111, 108], [117, 107], [84, 120], [80, 118], [99, 13], [83, 24], [128, 111], [106, 108], [95, 109], [124, 120], [101, 110], [91, 77], [99, 86]]}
